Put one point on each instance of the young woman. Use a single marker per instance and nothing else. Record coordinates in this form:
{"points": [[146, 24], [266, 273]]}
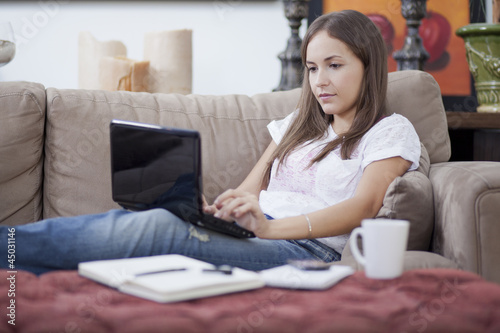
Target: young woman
{"points": [[327, 168]]}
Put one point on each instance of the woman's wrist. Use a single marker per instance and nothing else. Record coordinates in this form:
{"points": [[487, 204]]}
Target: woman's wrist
{"points": [[294, 227], [309, 227]]}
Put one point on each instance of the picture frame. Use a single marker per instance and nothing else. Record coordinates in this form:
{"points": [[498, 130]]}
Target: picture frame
{"points": [[448, 65]]}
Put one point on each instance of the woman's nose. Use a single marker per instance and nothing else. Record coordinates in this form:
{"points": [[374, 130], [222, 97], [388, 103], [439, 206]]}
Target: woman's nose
{"points": [[321, 79]]}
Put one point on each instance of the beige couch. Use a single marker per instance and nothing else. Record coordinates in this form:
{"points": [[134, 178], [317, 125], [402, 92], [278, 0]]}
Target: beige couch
{"points": [[54, 160]]}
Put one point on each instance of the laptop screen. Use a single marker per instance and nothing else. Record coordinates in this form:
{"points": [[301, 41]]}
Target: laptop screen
{"points": [[155, 167]]}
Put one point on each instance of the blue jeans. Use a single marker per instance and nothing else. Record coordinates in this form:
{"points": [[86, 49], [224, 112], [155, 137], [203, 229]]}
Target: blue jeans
{"points": [[62, 243]]}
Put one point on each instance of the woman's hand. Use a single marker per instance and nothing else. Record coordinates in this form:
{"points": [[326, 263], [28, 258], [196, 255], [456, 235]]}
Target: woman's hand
{"points": [[208, 209], [212, 209], [242, 207]]}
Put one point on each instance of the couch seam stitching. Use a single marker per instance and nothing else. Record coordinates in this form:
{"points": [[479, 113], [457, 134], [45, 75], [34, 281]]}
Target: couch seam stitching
{"points": [[485, 181], [47, 160], [30, 94], [162, 109], [477, 224], [396, 79]]}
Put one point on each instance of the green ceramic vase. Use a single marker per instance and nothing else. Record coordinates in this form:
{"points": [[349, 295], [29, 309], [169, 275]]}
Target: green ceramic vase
{"points": [[482, 46]]}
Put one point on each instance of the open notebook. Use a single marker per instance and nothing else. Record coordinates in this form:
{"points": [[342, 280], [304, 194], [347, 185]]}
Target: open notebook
{"points": [[169, 278]]}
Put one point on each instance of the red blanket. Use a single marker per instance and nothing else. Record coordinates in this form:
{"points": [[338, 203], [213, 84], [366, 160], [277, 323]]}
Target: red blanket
{"points": [[436, 300]]}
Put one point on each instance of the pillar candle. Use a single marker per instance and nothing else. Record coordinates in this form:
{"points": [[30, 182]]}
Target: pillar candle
{"points": [[90, 52], [170, 57]]}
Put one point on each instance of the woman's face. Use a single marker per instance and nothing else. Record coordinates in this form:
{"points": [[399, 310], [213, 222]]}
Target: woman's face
{"points": [[335, 74]]}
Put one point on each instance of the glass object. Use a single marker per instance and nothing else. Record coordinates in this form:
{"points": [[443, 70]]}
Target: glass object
{"points": [[7, 45]]}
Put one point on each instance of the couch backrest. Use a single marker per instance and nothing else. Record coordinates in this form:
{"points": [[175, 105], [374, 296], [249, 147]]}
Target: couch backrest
{"points": [[233, 129], [22, 121], [77, 167], [417, 96]]}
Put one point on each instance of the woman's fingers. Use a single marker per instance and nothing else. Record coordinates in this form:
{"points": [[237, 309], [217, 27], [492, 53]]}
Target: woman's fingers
{"points": [[209, 209], [226, 195], [240, 206], [233, 201], [244, 208]]}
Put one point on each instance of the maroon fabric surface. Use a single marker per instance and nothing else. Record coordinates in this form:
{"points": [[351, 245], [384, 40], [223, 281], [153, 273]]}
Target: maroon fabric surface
{"points": [[437, 300]]}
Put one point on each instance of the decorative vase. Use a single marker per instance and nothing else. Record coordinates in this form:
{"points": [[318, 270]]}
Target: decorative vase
{"points": [[482, 46]]}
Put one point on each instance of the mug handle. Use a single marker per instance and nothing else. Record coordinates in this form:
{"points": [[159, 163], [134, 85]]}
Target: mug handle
{"points": [[353, 241]]}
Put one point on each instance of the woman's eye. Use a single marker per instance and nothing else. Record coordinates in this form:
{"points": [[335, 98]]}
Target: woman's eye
{"points": [[335, 65], [311, 69]]}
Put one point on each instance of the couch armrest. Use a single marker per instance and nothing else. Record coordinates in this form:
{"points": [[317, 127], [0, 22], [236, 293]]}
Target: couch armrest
{"points": [[467, 215]]}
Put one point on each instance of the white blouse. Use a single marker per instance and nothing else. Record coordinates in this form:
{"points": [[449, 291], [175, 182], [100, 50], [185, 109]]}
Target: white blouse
{"points": [[296, 189]]}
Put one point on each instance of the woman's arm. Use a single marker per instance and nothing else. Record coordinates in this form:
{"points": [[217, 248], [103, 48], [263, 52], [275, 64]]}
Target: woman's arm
{"points": [[335, 220], [253, 182]]}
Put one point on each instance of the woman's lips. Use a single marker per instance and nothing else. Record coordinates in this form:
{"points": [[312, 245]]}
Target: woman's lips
{"points": [[325, 97]]}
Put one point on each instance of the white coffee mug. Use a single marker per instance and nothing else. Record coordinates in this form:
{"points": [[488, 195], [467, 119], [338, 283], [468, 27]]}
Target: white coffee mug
{"points": [[384, 245]]}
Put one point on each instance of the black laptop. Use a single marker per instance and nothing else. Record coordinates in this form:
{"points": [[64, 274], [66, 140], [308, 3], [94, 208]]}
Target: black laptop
{"points": [[160, 167]]}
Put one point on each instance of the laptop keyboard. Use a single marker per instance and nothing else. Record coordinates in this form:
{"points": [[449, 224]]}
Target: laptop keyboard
{"points": [[216, 224]]}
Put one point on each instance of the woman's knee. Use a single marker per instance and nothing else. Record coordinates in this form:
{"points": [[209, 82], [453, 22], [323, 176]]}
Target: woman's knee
{"points": [[160, 220]]}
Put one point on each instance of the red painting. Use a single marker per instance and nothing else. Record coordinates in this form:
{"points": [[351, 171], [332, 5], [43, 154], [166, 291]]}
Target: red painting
{"points": [[447, 62]]}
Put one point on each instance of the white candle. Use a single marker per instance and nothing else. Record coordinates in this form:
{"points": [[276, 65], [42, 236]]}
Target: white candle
{"points": [[90, 53], [170, 57]]}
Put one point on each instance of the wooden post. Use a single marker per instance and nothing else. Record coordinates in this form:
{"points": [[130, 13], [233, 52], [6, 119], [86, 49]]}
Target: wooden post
{"points": [[496, 11]]}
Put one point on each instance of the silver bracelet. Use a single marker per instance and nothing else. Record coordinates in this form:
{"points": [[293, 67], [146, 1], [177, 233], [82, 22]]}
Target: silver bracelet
{"points": [[309, 235]]}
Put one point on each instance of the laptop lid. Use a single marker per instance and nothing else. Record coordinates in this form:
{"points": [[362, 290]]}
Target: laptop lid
{"points": [[156, 167]]}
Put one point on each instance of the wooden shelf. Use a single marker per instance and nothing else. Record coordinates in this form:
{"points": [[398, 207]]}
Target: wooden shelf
{"points": [[474, 136], [472, 120]]}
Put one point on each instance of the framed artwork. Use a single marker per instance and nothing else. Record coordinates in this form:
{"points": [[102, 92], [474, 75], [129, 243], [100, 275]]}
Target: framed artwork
{"points": [[447, 62]]}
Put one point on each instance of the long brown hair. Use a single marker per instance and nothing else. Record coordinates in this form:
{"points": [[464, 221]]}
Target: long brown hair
{"points": [[362, 36]]}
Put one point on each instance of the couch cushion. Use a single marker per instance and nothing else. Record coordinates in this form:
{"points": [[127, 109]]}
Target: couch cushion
{"points": [[22, 120], [417, 96], [409, 197], [77, 167]]}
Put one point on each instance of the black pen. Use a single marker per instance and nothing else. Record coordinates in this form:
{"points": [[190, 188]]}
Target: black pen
{"points": [[160, 271], [224, 269]]}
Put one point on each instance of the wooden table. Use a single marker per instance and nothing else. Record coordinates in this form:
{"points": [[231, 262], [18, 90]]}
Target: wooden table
{"points": [[474, 136]]}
